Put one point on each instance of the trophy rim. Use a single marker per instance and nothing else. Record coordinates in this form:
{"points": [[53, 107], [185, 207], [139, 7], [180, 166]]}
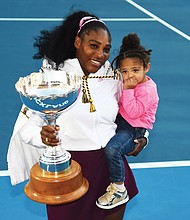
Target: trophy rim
{"points": [[24, 88]]}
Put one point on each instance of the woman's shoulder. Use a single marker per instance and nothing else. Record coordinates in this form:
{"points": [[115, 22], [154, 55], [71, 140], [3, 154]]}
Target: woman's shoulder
{"points": [[105, 70], [71, 65]]}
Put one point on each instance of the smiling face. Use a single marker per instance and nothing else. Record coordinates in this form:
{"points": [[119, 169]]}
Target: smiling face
{"points": [[92, 50]]}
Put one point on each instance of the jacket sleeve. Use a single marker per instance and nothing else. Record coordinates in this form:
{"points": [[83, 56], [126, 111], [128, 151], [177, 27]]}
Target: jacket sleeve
{"points": [[22, 154]]}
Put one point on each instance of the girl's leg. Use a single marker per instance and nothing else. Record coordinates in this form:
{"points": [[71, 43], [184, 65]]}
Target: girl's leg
{"points": [[116, 148], [116, 193]]}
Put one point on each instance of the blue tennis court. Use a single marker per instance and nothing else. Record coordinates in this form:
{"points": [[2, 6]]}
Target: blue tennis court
{"points": [[162, 169]]}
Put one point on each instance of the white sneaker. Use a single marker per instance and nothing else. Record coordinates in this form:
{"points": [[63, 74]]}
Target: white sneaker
{"points": [[112, 198]]}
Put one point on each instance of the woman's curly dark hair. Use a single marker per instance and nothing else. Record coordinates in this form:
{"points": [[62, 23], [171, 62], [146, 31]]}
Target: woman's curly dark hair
{"points": [[58, 44]]}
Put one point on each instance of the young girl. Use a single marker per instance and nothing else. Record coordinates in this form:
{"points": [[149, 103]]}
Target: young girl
{"points": [[137, 109]]}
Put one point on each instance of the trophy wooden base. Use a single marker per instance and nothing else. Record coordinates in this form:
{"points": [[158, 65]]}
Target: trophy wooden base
{"points": [[56, 187]]}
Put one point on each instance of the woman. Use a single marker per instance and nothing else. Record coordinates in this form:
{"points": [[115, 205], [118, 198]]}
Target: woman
{"points": [[82, 43]]}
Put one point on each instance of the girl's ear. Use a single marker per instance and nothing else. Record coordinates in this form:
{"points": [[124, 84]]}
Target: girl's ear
{"points": [[77, 42], [147, 68]]}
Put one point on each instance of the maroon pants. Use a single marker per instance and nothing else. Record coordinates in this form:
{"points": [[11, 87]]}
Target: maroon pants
{"points": [[95, 170]]}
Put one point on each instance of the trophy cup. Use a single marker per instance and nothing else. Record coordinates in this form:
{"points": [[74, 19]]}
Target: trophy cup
{"points": [[56, 179]]}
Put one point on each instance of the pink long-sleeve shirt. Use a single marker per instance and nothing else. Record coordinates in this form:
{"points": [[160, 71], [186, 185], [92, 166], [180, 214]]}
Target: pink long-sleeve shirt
{"points": [[138, 106]]}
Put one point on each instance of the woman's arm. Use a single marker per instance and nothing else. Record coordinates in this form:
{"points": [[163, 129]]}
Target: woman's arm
{"points": [[141, 144]]}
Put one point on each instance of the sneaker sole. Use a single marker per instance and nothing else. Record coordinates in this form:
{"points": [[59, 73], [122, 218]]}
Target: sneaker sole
{"points": [[114, 205]]}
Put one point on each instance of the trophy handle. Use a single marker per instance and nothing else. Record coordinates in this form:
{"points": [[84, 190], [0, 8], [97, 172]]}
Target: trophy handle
{"points": [[54, 159], [50, 116]]}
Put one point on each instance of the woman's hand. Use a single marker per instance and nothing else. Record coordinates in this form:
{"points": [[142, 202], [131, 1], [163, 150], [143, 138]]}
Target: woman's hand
{"points": [[141, 144], [49, 135]]}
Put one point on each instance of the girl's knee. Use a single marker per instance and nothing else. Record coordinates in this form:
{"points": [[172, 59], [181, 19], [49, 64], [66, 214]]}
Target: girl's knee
{"points": [[110, 152]]}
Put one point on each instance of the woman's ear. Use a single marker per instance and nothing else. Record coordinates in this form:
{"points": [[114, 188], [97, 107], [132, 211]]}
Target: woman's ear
{"points": [[77, 42]]}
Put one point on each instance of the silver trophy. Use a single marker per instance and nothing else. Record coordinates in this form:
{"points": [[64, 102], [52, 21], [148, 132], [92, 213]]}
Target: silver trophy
{"points": [[48, 93]]}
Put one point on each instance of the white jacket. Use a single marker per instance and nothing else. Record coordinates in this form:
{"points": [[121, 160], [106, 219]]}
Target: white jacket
{"points": [[80, 130]]}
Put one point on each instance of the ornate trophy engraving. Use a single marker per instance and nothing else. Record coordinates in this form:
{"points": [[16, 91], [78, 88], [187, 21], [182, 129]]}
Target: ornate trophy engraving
{"points": [[56, 179]]}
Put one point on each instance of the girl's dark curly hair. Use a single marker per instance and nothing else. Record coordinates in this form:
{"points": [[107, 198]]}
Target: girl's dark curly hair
{"points": [[131, 48], [58, 44]]}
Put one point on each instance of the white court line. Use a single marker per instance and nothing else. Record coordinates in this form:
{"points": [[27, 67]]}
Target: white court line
{"points": [[128, 19], [160, 164], [31, 19], [154, 18], [61, 19], [159, 19], [147, 165], [4, 173]]}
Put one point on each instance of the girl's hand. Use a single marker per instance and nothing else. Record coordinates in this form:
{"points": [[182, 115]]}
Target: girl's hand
{"points": [[130, 83], [49, 135]]}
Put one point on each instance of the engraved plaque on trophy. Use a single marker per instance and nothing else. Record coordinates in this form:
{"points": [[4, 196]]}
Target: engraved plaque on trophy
{"points": [[56, 179]]}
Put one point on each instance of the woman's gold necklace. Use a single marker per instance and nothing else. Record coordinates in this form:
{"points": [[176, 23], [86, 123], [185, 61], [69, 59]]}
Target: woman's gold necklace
{"points": [[86, 97]]}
